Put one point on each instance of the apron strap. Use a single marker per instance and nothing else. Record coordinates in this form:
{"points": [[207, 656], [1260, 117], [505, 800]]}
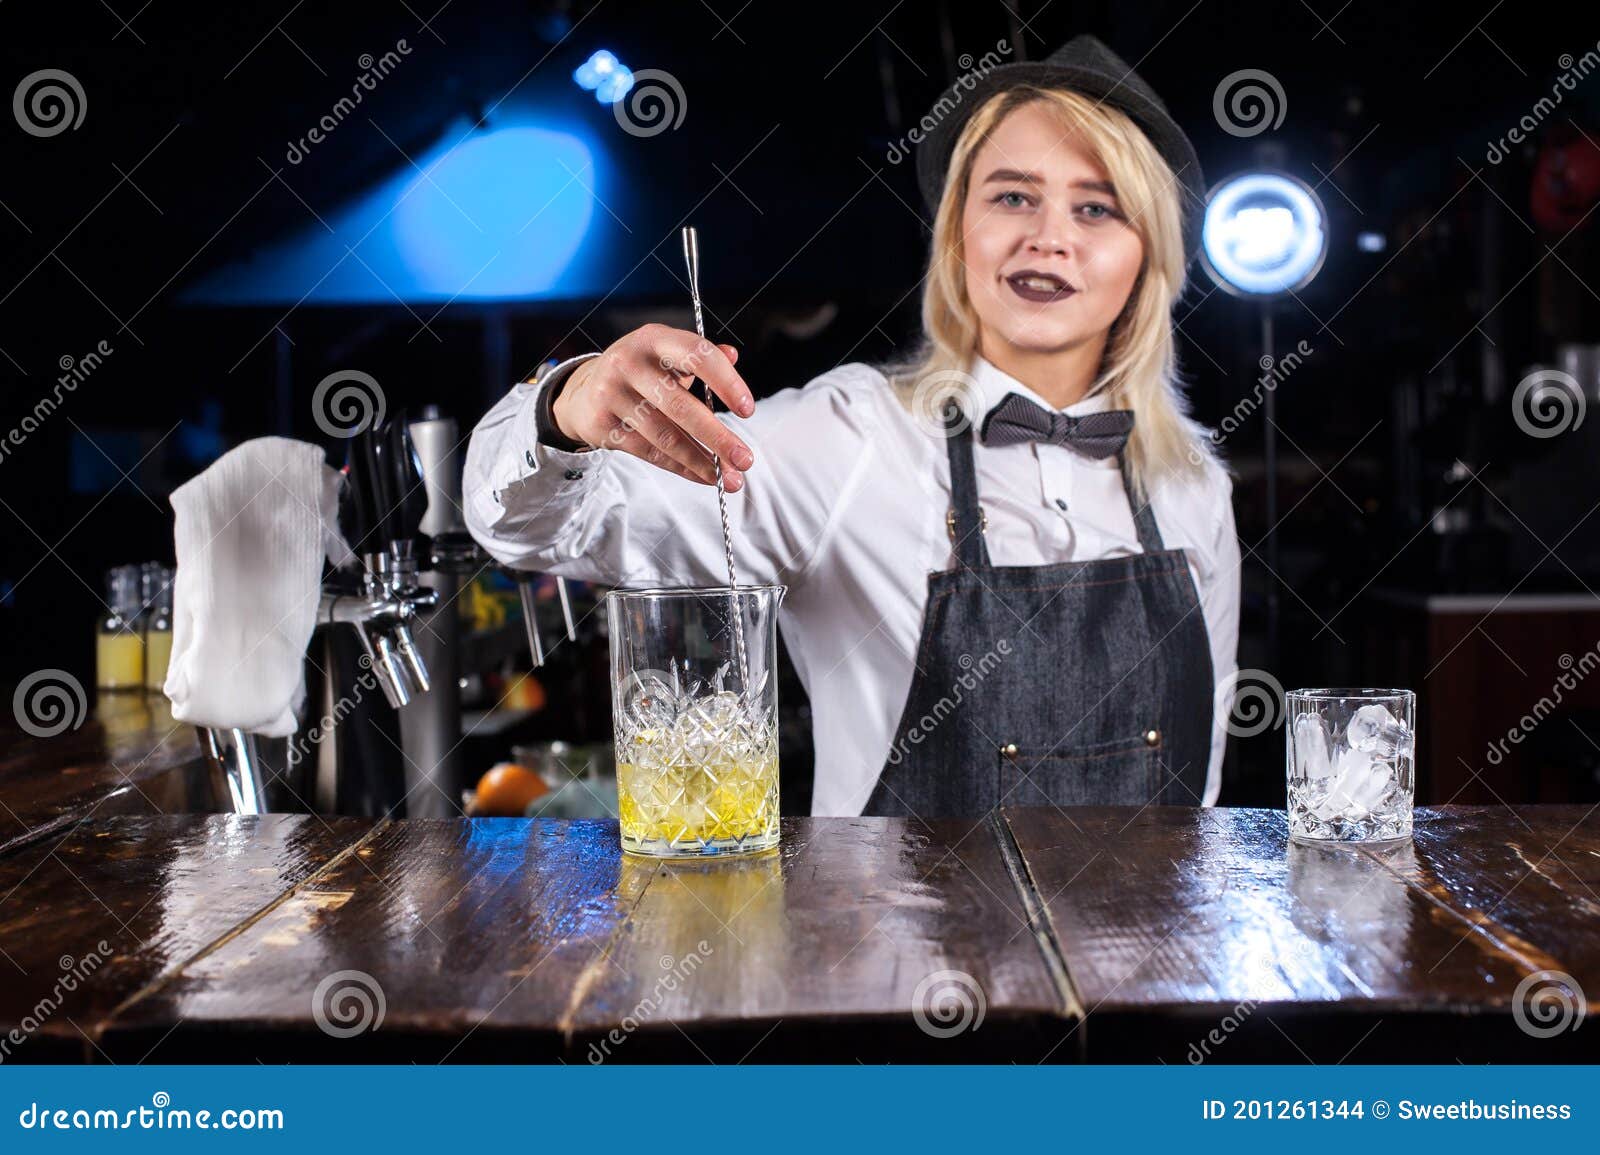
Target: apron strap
{"points": [[965, 520], [1144, 518]]}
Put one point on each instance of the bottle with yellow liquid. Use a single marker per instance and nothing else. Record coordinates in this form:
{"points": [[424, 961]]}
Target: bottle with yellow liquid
{"points": [[119, 642], [157, 580]]}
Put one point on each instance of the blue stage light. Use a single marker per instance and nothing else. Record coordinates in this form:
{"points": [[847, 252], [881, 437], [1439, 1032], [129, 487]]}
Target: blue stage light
{"points": [[501, 216], [497, 214], [593, 71], [614, 86], [1264, 233]]}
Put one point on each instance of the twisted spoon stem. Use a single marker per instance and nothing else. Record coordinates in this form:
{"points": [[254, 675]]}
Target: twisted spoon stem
{"points": [[691, 257]]}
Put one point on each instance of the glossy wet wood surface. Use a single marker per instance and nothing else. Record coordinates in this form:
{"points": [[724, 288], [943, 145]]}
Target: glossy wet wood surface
{"points": [[507, 939], [476, 933], [113, 908], [823, 949], [126, 756], [1100, 934], [1195, 935]]}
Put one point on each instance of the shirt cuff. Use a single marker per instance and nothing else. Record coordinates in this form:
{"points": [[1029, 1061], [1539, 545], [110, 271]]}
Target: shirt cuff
{"points": [[550, 381], [533, 452]]}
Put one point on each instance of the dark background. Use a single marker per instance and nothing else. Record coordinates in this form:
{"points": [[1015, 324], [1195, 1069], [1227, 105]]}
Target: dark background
{"points": [[179, 172]]}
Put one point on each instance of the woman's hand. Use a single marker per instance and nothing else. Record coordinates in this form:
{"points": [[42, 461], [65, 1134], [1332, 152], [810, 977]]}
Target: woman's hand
{"points": [[635, 397]]}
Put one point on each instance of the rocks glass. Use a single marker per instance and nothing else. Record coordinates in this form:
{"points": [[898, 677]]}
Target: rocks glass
{"points": [[1351, 764]]}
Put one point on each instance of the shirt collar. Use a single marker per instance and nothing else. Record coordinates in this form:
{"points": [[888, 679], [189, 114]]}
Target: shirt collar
{"points": [[992, 385]]}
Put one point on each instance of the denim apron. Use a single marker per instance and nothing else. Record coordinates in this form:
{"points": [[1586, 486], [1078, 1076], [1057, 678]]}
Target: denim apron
{"points": [[1073, 684]]}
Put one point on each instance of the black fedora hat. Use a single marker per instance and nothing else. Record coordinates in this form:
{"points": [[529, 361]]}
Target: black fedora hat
{"points": [[1084, 65]]}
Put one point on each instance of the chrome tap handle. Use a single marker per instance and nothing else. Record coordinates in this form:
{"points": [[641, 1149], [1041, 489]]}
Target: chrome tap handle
{"points": [[530, 621], [416, 669], [566, 609], [392, 675]]}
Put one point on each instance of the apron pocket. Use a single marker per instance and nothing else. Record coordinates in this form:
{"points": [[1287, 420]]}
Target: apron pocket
{"points": [[1122, 772]]}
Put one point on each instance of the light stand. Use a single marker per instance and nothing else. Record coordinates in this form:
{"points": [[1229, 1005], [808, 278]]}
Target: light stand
{"points": [[1265, 236]]}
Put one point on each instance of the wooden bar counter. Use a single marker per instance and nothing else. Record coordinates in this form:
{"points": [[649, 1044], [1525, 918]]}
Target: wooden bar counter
{"points": [[1165, 934], [1172, 935]]}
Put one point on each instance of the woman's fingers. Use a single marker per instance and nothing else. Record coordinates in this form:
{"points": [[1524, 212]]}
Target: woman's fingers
{"points": [[688, 353], [644, 418], [629, 441], [691, 415], [637, 398]]}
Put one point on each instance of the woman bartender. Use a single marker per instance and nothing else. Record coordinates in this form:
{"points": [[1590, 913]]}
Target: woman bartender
{"points": [[1023, 597]]}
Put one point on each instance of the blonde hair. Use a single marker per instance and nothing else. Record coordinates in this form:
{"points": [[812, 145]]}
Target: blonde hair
{"points": [[1139, 368]]}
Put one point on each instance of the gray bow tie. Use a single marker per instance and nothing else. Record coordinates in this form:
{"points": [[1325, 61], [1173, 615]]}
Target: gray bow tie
{"points": [[1016, 419]]}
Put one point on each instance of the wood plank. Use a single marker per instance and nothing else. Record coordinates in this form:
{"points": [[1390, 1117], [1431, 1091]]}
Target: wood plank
{"points": [[1203, 935], [90, 918], [828, 949], [508, 939], [130, 745], [1188, 935], [1526, 878], [471, 935]]}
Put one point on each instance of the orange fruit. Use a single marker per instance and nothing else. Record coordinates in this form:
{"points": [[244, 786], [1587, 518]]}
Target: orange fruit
{"points": [[526, 693], [506, 790]]}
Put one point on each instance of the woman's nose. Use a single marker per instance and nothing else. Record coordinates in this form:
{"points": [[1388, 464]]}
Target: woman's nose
{"points": [[1052, 236]]}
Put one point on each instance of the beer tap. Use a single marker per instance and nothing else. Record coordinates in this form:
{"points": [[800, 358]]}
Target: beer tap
{"points": [[384, 506]]}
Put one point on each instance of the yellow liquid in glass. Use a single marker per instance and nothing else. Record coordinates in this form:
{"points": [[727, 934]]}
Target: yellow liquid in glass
{"points": [[119, 661], [157, 655], [681, 806]]}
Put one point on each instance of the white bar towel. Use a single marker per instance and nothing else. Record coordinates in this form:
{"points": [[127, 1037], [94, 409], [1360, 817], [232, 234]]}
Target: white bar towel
{"points": [[251, 534]]}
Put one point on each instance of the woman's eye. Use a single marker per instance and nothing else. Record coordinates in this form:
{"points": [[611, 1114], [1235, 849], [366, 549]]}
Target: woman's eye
{"points": [[1012, 200], [1098, 212]]}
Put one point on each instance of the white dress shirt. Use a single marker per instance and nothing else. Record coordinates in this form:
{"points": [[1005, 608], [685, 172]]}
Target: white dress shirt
{"points": [[845, 506]]}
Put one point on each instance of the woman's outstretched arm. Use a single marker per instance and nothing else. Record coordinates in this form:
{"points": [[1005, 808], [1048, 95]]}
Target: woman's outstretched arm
{"points": [[618, 517]]}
